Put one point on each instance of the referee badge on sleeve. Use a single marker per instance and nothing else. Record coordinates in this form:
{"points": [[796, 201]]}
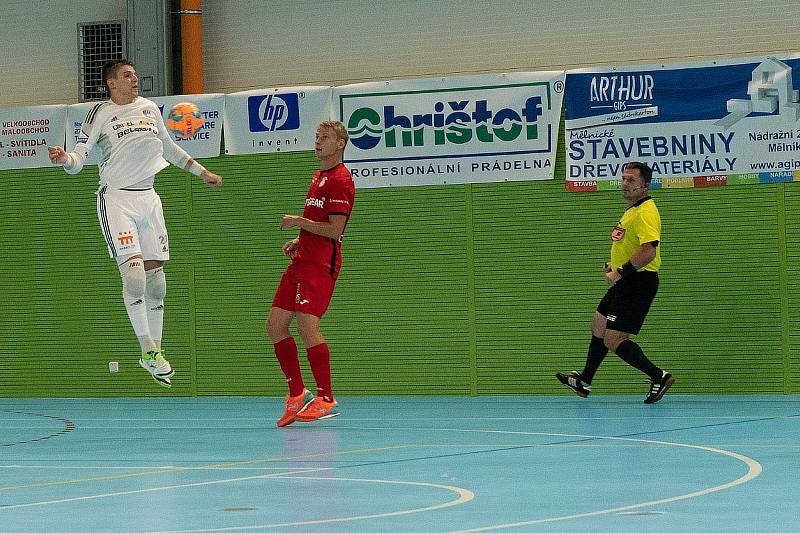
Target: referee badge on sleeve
{"points": [[617, 233]]}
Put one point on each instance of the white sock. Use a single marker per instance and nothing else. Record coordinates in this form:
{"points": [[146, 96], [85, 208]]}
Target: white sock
{"points": [[147, 344], [155, 290], [133, 289], [137, 314]]}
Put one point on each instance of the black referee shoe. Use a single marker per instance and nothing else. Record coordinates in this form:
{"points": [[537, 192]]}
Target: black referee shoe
{"points": [[659, 387], [573, 381]]}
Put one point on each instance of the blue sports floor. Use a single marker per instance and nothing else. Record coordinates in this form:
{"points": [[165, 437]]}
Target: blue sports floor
{"points": [[430, 464]]}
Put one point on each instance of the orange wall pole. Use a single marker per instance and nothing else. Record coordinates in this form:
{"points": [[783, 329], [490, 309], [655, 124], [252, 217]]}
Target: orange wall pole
{"points": [[192, 46]]}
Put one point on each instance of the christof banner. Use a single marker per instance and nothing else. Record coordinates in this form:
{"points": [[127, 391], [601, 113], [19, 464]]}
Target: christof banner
{"points": [[465, 129]]}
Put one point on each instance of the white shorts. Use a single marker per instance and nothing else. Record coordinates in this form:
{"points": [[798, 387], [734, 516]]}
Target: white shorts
{"points": [[132, 223]]}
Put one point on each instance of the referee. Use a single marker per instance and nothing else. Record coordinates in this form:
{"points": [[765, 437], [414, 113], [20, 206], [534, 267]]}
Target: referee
{"points": [[633, 276]]}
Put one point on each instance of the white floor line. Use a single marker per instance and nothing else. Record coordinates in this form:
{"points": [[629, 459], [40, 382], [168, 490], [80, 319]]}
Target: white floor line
{"points": [[154, 489], [177, 469], [464, 496]]}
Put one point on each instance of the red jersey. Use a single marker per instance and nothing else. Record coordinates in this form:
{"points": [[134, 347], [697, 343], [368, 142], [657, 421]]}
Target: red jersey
{"points": [[332, 192]]}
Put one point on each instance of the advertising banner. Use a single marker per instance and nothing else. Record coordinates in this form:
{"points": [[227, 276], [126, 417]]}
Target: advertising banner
{"points": [[26, 132], [466, 129], [697, 125], [274, 120]]}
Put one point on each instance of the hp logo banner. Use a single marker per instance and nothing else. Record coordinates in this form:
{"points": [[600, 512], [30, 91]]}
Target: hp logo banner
{"points": [[274, 112]]}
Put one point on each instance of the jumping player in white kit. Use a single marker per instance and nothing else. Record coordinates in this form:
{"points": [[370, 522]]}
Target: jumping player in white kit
{"points": [[129, 131]]}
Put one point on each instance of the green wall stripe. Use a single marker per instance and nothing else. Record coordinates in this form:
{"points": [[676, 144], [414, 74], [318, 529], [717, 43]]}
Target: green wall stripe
{"points": [[470, 239], [782, 272]]}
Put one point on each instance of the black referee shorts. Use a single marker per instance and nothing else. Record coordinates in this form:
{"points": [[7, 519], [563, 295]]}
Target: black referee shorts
{"points": [[627, 302]]}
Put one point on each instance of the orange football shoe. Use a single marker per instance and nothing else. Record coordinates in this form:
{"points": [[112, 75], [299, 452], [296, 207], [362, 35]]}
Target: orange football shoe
{"points": [[294, 406], [317, 410]]}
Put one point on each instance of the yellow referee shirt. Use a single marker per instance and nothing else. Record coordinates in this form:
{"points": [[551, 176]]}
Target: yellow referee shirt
{"points": [[639, 224]]}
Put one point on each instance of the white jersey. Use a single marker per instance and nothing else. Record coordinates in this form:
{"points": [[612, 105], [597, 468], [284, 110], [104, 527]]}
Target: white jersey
{"points": [[133, 141]]}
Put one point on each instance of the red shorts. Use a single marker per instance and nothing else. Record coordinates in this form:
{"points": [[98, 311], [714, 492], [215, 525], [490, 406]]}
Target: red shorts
{"points": [[305, 288]]}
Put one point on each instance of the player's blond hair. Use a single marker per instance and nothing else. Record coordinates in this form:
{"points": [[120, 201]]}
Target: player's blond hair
{"points": [[337, 128]]}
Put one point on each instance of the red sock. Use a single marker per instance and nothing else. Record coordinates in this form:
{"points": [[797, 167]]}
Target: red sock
{"points": [[286, 352], [320, 360]]}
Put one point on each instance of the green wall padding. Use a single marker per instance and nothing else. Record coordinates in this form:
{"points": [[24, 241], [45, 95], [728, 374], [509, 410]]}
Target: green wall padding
{"points": [[459, 289]]}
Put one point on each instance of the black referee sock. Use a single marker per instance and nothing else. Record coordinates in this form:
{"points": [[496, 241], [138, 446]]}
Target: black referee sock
{"points": [[597, 352], [631, 353]]}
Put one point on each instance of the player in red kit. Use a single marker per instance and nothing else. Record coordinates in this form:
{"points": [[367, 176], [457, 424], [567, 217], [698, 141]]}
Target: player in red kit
{"points": [[306, 288]]}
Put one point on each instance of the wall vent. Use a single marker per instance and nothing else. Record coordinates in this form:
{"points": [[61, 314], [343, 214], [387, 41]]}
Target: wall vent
{"points": [[98, 42]]}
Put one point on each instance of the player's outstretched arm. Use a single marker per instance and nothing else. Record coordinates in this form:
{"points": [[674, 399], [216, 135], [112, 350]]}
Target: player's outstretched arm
{"points": [[57, 155], [72, 162], [181, 159], [215, 180]]}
